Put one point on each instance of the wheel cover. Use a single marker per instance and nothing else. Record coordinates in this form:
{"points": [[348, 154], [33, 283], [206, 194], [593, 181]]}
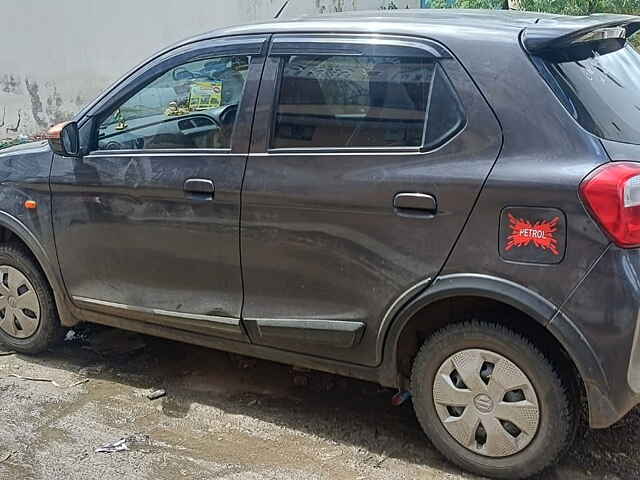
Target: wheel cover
{"points": [[19, 304], [486, 403]]}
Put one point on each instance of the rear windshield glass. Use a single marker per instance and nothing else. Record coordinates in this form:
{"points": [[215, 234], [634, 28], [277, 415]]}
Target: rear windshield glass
{"points": [[600, 85]]}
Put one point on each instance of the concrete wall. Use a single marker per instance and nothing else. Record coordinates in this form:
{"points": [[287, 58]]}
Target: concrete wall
{"points": [[56, 56]]}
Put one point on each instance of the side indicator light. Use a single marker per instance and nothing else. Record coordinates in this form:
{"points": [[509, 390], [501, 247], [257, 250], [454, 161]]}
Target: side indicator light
{"points": [[30, 204]]}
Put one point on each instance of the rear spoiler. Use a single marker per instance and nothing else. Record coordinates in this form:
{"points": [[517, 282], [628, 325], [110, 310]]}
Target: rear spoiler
{"points": [[562, 32]]}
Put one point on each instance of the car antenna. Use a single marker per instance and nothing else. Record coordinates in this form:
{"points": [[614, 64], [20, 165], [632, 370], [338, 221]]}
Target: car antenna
{"points": [[282, 9]]}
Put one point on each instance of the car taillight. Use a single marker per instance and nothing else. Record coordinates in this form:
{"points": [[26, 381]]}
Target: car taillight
{"points": [[612, 194]]}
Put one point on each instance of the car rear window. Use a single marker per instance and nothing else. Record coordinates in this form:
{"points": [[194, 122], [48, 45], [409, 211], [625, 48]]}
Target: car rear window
{"points": [[600, 86]]}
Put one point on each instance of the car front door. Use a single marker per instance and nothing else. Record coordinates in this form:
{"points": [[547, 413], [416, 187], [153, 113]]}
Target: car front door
{"points": [[368, 154], [147, 222]]}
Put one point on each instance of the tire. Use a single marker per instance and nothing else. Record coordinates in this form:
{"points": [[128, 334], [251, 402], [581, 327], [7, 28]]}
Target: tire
{"points": [[538, 439], [21, 275]]}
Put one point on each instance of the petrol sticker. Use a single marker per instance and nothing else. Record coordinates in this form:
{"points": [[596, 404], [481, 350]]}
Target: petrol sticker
{"points": [[540, 234], [532, 234]]}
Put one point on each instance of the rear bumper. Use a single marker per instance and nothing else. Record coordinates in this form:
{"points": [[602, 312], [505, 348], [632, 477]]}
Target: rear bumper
{"points": [[604, 312]]}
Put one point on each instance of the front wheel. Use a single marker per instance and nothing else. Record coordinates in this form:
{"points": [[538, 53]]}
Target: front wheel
{"points": [[28, 316], [491, 402]]}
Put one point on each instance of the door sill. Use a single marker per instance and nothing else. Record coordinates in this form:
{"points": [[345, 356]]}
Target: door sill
{"points": [[371, 374]]}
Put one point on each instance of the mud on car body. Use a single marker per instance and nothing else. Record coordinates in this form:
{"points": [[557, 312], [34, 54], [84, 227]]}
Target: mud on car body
{"points": [[448, 206]]}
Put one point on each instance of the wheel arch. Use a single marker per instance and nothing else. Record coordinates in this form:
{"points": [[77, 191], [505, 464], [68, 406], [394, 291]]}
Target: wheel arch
{"points": [[12, 229], [435, 307]]}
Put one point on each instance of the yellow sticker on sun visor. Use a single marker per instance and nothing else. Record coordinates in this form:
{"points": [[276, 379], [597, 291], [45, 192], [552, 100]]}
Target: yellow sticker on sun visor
{"points": [[205, 95]]}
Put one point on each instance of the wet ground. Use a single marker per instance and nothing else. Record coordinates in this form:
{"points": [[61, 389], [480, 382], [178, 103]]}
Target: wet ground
{"points": [[227, 417]]}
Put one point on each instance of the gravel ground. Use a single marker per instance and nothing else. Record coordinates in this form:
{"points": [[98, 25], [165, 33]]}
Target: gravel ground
{"points": [[227, 417]]}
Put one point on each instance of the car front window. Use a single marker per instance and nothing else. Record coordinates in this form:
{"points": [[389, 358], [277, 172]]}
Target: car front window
{"points": [[190, 106]]}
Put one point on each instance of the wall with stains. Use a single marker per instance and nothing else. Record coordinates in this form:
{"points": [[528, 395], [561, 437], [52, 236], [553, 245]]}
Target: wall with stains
{"points": [[56, 56]]}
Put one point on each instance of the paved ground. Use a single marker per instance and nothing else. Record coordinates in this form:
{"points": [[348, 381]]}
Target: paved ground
{"points": [[227, 417]]}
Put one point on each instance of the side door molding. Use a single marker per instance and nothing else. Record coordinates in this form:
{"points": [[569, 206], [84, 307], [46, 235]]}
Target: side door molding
{"points": [[226, 327], [333, 333]]}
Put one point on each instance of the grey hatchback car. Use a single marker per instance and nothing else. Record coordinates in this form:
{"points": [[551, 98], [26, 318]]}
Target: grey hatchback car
{"points": [[443, 202]]}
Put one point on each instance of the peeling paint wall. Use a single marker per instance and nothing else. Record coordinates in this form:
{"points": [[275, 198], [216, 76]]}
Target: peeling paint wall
{"points": [[57, 56]]}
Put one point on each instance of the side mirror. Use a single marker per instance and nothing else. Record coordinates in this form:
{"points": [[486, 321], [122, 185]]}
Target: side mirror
{"points": [[64, 139]]}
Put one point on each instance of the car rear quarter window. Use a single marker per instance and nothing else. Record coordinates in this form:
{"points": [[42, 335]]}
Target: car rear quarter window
{"points": [[600, 86], [339, 101], [446, 115]]}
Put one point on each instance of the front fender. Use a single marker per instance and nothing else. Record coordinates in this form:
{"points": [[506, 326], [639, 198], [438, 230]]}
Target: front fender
{"points": [[48, 265]]}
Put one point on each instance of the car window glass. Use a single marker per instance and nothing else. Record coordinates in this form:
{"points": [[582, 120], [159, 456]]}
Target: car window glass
{"points": [[600, 84], [352, 101], [446, 116], [190, 106]]}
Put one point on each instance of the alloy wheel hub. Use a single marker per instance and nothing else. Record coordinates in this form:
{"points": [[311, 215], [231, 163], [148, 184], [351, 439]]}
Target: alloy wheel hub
{"points": [[19, 304], [486, 403]]}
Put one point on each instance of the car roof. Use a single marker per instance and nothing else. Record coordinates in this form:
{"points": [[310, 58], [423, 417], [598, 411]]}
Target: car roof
{"points": [[447, 20], [378, 20], [462, 17]]}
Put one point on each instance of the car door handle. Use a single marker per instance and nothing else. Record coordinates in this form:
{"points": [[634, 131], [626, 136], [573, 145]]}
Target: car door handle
{"points": [[199, 189], [415, 202]]}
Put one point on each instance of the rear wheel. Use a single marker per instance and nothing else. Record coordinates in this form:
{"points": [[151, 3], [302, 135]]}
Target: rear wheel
{"points": [[491, 402], [28, 317]]}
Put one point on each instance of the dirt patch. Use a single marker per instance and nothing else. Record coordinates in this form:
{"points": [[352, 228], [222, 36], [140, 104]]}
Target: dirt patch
{"points": [[227, 417], [33, 89]]}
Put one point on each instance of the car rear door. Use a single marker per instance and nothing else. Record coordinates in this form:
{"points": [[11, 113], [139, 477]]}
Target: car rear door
{"points": [[353, 197], [147, 223]]}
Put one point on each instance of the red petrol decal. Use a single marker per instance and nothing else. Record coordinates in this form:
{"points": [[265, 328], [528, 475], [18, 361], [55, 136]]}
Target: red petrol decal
{"points": [[539, 234], [532, 235]]}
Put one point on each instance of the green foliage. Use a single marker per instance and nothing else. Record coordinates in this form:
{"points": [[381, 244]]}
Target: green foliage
{"points": [[489, 4], [566, 7], [581, 7]]}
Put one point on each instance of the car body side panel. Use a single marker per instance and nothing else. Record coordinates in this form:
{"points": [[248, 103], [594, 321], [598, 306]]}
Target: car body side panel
{"points": [[544, 158], [128, 236], [606, 310], [24, 175], [320, 237]]}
